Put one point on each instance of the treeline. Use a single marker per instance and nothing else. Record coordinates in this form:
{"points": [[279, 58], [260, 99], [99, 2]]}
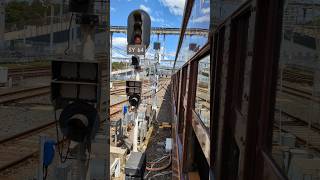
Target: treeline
{"points": [[20, 13], [119, 65]]}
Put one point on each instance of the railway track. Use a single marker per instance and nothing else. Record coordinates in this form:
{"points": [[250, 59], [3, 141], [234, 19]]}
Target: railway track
{"points": [[298, 92], [117, 91], [24, 146], [306, 134], [19, 95], [23, 94], [297, 75], [29, 72], [298, 83]]}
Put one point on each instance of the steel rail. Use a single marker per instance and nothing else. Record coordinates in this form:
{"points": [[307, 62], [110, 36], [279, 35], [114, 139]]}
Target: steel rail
{"points": [[34, 131], [23, 94]]}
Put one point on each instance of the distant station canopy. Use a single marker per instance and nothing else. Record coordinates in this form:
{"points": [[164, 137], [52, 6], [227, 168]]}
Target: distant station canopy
{"points": [[139, 27]]}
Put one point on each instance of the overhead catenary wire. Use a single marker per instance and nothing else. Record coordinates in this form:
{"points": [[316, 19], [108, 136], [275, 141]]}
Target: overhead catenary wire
{"points": [[60, 148], [69, 28]]}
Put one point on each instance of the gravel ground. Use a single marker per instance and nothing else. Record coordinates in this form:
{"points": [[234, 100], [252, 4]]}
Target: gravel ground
{"points": [[22, 116], [40, 100], [19, 119], [27, 83], [114, 99], [25, 171]]}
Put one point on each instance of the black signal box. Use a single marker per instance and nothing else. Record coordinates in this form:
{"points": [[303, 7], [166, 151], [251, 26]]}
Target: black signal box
{"points": [[133, 87], [74, 80]]}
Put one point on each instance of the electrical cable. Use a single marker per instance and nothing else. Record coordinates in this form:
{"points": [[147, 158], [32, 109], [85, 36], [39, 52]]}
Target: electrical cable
{"points": [[63, 158], [70, 22], [57, 133], [157, 160], [160, 174], [45, 172], [67, 153], [160, 168], [60, 148]]}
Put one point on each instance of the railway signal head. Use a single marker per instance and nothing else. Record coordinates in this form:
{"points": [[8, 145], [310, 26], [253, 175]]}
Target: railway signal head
{"points": [[139, 26], [133, 90], [134, 100], [135, 61], [79, 121], [76, 98], [156, 45]]}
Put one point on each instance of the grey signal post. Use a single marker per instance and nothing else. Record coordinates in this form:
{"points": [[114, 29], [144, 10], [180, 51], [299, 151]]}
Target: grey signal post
{"points": [[138, 38], [93, 92]]}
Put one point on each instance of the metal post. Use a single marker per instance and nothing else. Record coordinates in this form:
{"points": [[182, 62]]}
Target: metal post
{"points": [[135, 135], [107, 158], [24, 35], [71, 38], [87, 53], [126, 69], [2, 24], [111, 34], [88, 44], [61, 13], [51, 28], [121, 128], [42, 140], [74, 36], [164, 43], [61, 10]]}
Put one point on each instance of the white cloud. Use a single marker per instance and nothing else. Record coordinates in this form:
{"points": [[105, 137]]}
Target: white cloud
{"points": [[205, 10], [119, 41], [153, 19], [201, 19], [112, 9], [116, 53], [175, 6], [145, 8]]}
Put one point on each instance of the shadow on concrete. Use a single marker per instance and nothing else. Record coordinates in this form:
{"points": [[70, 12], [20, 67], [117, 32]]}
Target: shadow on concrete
{"points": [[165, 114]]}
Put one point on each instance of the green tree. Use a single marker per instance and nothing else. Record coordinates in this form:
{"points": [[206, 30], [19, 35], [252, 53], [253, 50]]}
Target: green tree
{"points": [[119, 65], [20, 13]]}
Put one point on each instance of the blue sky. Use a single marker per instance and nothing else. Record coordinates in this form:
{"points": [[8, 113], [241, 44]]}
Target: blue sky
{"points": [[163, 13]]}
